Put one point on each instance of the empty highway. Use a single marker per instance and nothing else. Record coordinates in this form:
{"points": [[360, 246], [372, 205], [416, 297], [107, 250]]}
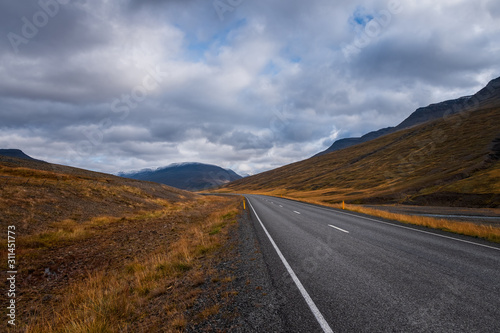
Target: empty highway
{"points": [[339, 271]]}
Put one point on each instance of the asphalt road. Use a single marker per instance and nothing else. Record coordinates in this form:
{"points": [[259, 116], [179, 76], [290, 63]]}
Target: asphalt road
{"points": [[338, 271]]}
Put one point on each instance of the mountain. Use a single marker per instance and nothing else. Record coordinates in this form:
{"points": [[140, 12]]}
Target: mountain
{"points": [[487, 96], [186, 176], [450, 161], [17, 153]]}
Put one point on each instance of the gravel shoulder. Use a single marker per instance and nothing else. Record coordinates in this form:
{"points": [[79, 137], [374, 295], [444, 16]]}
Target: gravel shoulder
{"points": [[253, 305], [256, 300]]}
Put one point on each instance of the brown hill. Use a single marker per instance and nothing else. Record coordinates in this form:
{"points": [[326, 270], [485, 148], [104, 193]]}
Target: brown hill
{"points": [[33, 193], [451, 161], [99, 253]]}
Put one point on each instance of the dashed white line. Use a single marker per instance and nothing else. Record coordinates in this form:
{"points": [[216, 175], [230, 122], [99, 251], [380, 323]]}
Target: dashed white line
{"points": [[296, 212], [317, 314], [338, 228], [281, 206], [403, 227]]}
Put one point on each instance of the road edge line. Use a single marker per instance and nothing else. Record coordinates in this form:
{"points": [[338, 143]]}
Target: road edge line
{"points": [[317, 314]]}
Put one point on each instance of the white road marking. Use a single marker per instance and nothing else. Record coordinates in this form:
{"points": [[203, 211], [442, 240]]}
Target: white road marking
{"points": [[338, 228], [401, 226], [281, 206], [296, 212], [317, 314]]}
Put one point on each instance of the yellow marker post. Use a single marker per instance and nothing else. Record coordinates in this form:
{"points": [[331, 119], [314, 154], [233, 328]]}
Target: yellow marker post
{"points": [[343, 204], [244, 204]]}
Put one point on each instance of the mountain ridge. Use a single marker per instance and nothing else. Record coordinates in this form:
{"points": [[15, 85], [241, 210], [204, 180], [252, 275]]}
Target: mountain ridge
{"points": [[490, 94]]}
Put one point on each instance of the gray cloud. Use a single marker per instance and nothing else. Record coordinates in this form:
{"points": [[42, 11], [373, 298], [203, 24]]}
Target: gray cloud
{"points": [[243, 140], [123, 85]]}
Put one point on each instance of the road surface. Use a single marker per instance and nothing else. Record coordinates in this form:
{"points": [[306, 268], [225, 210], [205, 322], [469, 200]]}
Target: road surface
{"points": [[338, 271]]}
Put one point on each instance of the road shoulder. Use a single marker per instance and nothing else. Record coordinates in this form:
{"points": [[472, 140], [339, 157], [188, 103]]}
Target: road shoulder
{"points": [[252, 304]]}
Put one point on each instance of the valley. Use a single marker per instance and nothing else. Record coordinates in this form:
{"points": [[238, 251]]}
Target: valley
{"points": [[249, 166]]}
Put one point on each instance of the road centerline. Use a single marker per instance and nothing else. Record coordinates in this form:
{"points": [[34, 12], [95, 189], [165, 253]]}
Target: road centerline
{"points": [[296, 212], [317, 314], [338, 228]]}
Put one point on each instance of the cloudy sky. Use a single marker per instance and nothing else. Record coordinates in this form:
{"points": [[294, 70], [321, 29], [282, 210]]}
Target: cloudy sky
{"points": [[118, 85]]}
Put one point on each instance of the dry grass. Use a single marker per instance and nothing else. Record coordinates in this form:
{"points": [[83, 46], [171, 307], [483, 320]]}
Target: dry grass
{"points": [[487, 232], [99, 253], [123, 299], [34, 193], [66, 231], [97, 304]]}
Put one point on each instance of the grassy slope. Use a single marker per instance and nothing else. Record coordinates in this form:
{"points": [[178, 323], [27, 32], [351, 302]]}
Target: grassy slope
{"points": [[446, 162], [34, 193], [100, 253]]}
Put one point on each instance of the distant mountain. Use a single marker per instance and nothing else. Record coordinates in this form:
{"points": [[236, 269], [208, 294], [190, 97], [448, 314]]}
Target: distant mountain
{"points": [[16, 153], [488, 96], [186, 176]]}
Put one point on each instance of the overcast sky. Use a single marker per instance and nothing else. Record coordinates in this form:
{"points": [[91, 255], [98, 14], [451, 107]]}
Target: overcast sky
{"points": [[249, 85]]}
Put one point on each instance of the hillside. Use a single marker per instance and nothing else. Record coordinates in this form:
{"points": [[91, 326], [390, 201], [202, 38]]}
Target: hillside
{"points": [[452, 161], [72, 193], [99, 253], [187, 176], [487, 97]]}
